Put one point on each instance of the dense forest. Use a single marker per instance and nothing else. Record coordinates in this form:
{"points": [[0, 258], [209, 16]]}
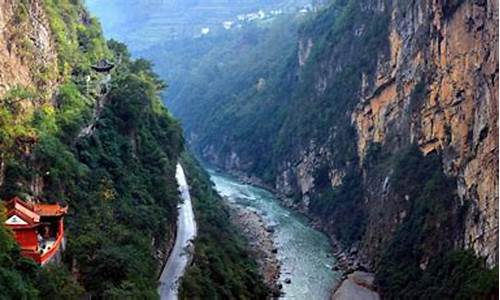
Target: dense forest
{"points": [[255, 89], [107, 148]]}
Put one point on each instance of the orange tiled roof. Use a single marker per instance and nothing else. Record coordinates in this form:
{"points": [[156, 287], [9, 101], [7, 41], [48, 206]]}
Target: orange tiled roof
{"points": [[49, 210], [31, 213]]}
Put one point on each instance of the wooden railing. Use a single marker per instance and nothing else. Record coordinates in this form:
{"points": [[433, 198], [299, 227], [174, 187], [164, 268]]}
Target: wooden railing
{"points": [[44, 258]]}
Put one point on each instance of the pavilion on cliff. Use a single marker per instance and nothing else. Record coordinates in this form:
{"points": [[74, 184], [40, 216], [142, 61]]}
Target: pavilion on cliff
{"points": [[103, 66], [38, 228]]}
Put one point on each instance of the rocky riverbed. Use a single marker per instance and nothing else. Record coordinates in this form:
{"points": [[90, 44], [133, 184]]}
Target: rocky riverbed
{"points": [[260, 241], [295, 258], [356, 281]]}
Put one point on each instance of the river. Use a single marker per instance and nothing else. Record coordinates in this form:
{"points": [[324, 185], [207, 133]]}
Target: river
{"points": [[304, 253]]}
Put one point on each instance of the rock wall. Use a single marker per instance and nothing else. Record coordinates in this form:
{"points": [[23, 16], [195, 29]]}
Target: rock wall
{"points": [[430, 80], [27, 52], [436, 87], [28, 62]]}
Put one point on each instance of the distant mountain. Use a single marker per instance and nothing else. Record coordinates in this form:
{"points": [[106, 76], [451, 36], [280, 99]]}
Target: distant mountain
{"points": [[142, 24]]}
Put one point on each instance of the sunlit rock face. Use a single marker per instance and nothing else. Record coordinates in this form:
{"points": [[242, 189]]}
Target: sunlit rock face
{"points": [[28, 62], [438, 88], [27, 54]]}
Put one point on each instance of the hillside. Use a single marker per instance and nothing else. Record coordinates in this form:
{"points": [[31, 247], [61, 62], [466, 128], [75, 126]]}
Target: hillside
{"points": [[146, 25], [105, 146], [376, 118]]}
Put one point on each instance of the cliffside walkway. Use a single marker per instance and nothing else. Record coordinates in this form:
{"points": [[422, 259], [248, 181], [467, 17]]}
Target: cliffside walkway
{"points": [[183, 248], [99, 105]]}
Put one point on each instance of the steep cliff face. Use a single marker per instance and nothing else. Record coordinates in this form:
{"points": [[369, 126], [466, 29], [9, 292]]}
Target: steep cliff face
{"points": [[374, 85], [28, 62], [27, 50], [48, 94], [438, 89], [435, 85]]}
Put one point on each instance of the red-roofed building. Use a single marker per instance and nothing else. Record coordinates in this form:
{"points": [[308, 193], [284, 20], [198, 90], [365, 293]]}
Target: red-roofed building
{"points": [[38, 228]]}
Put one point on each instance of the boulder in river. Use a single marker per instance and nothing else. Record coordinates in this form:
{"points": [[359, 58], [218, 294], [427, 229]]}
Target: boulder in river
{"points": [[358, 285], [288, 281]]}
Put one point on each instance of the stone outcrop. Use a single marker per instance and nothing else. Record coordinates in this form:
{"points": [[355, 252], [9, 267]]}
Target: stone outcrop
{"points": [[438, 88], [27, 52]]}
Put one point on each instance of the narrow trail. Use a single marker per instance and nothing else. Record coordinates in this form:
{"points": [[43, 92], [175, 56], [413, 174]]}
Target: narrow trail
{"points": [[183, 248], [89, 129], [100, 101]]}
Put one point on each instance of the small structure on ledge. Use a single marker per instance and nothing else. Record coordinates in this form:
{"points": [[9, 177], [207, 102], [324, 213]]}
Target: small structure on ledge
{"points": [[38, 228], [103, 66]]}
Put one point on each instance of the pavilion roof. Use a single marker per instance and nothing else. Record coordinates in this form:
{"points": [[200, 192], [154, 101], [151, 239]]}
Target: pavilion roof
{"points": [[49, 210], [31, 212], [22, 209]]}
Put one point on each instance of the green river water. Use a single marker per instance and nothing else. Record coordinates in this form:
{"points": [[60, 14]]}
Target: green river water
{"points": [[304, 252]]}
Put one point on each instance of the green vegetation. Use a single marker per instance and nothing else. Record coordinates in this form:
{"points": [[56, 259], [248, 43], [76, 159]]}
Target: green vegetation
{"points": [[344, 205], [318, 108], [264, 106], [244, 91], [119, 182], [434, 219], [222, 267], [78, 37], [10, 125], [458, 274], [244, 96], [119, 179], [257, 101], [127, 198]]}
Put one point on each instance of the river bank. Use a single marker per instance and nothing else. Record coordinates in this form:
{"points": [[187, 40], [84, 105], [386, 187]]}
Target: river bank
{"points": [[349, 263], [357, 285], [304, 254], [260, 241]]}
